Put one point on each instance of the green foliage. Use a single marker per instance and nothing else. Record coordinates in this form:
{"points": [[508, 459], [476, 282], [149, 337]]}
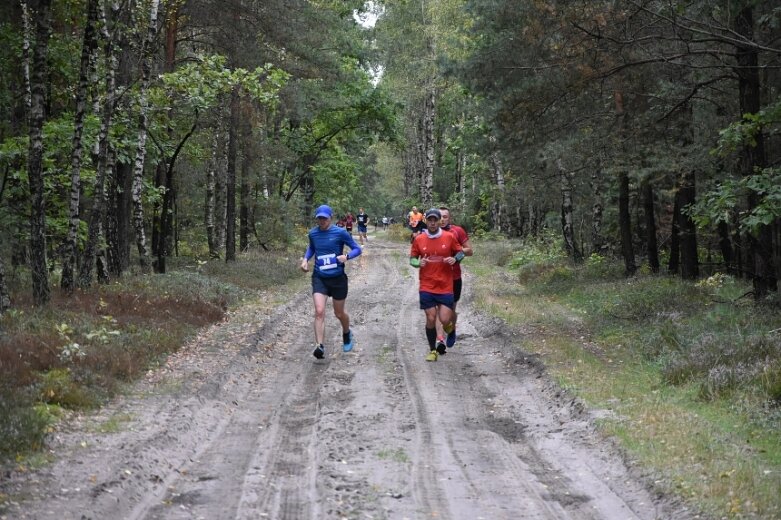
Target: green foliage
{"points": [[58, 386], [744, 132], [23, 426], [539, 255], [58, 136], [336, 178], [723, 203], [203, 81]]}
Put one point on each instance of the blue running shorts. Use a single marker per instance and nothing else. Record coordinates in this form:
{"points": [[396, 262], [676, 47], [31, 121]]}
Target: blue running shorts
{"points": [[429, 300]]}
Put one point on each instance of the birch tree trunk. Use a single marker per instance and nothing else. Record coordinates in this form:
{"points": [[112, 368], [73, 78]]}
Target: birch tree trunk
{"points": [[498, 200], [220, 187], [37, 88], [567, 226], [26, 42], [94, 249], [88, 49], [230, 190], [597, 210], [244, 190], [625, 223], [624, 218], [674, 263], [427, 182], [209, 203], [138, 163]]}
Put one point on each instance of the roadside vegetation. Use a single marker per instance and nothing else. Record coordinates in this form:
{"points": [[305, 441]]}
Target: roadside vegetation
{"points": [[79, 351], [686, 375]]}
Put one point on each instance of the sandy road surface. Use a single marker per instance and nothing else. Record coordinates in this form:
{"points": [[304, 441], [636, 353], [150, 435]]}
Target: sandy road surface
{"points": [[245, 424]]}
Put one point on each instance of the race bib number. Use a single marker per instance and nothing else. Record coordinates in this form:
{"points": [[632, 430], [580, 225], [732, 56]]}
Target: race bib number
{"points": [[326, 262]]}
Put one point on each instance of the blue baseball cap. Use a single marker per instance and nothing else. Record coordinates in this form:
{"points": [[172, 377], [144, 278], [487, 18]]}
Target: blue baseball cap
{"points": [[324, 211]]}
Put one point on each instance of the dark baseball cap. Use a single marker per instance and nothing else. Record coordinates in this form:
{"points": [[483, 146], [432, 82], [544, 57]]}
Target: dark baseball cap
{"points": [[433, 212]]}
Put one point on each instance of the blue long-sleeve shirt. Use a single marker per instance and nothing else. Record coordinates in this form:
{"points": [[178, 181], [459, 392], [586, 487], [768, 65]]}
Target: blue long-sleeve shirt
{"points": [[326, 245]]}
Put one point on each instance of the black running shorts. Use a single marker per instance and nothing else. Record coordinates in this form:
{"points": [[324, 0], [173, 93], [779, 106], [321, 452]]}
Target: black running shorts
{"points": [[335, 286], [457, 285]]}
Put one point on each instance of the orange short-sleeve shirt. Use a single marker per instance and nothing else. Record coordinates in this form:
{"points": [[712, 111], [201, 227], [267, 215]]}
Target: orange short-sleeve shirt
{"points": [[437, 275]]}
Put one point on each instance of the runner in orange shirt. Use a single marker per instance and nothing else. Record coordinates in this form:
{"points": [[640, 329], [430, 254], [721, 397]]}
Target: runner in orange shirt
{"points": [[434, 252], [415, 221]]}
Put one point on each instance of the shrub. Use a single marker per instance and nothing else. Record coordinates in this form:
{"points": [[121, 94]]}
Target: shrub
{"points": [[600, 267], [771, 383], [23, 427], [500, 252], [57, 386], [398, 233], [725, 362]]}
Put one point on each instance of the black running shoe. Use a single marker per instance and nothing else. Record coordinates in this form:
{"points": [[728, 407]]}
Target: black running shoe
{"points": [[319, 352], [441, 348]]}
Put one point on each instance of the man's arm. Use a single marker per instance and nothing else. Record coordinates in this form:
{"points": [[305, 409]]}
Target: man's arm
{"points": [[414, 255], [307, 255], [355, 249], [456, 250], [467, 247]]}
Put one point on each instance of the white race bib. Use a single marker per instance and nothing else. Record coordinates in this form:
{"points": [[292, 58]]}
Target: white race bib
{"points": [[326, 262]]}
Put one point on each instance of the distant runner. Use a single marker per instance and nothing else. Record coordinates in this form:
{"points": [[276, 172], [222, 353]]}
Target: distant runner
{"points": [[326, 245], [348, 222], [435, 252], [416, 222], [363, 222]]}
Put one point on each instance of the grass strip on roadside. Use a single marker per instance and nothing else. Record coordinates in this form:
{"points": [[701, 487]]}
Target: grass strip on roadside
{"points": [[620, 344]]}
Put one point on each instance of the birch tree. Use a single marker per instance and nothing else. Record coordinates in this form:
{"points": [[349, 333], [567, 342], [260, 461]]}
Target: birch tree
{"points": [[94, 249], [37, 87], [567, 224], [88, 48], [143, 118]]}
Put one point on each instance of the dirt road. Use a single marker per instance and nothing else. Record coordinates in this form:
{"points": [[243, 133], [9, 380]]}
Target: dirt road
{"points": [[244, 423]]}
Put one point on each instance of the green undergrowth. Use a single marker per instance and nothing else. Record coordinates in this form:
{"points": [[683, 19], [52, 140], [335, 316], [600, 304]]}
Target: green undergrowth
{"points": [[81, 349], [687, 375]]}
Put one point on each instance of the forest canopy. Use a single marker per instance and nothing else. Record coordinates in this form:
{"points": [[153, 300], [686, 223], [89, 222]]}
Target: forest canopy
{"points": [[134, 130]]}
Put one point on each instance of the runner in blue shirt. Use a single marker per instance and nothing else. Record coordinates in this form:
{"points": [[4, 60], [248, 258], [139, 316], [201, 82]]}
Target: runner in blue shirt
{"points": [[326, 246]]}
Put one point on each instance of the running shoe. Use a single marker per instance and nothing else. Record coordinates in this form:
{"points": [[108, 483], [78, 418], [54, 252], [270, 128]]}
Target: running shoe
{"points": [[319, 352], [441, 349], [432, 356], [451, 338], [348, 341]]}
